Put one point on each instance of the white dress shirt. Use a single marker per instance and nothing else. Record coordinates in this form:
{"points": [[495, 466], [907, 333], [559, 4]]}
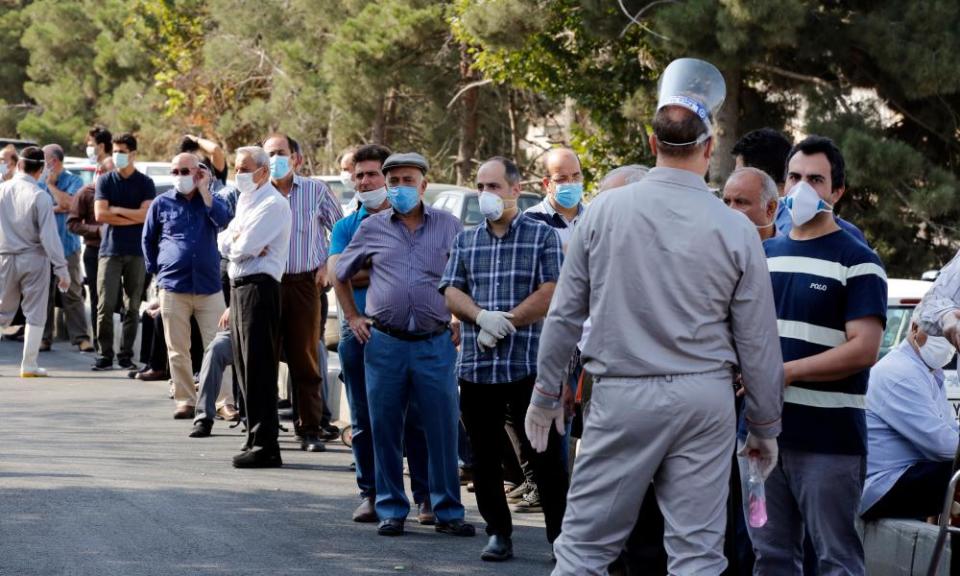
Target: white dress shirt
{"points": [[258, 238]]}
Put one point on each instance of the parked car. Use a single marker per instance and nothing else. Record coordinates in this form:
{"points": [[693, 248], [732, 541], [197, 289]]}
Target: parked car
{"points": [[465, 204], [84, 170], [18, 144], [903, 296], [343, 194]]}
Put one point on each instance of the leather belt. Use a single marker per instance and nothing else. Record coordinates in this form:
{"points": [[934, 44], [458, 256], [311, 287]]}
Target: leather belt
{"points": [[410, 336]]}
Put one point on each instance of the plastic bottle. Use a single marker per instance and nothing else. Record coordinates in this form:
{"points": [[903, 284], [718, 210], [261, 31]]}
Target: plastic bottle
{"points": [[756, 497]]}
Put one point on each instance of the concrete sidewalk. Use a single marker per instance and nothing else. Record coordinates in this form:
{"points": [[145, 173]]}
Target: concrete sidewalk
{"points": [[97, 478]]}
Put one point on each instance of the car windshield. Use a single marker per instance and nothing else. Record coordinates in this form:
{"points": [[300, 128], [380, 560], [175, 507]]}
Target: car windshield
{"points": [[898, 324]]}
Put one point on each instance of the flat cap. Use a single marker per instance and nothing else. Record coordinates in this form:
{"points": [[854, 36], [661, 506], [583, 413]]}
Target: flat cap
{"points": [[406, 159]]}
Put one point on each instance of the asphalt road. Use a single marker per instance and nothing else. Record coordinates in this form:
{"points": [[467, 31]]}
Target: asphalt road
{"points": [[97, 478]]}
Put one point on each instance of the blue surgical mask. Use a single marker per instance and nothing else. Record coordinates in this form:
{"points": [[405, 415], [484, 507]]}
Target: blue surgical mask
{"points": [[121, 160], [279, 167], [569, 194], [403, 198]]}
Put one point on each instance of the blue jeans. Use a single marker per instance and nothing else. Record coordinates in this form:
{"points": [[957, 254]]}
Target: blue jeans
{"points": [[352, 373], [401, 374]]}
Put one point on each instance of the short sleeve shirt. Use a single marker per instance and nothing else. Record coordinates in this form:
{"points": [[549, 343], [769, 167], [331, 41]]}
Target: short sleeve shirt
{"points": [[126, 193], [819, 285], [340, 237]]}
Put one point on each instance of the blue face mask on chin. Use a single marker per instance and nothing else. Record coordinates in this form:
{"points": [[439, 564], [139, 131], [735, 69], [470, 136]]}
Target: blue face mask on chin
{"points": [[403, 198], [569, 194]]}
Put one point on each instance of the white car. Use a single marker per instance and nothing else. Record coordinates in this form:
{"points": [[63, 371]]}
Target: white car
{"points": [[903, 296]]}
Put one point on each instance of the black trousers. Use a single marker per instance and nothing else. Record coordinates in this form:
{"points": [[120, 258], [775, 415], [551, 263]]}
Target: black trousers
{"points": [[485, 408], [255, 334], [919, 493], [91, 259]]}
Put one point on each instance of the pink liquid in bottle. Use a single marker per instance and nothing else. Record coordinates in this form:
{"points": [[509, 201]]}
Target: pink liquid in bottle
{"points": [[756, 497]]}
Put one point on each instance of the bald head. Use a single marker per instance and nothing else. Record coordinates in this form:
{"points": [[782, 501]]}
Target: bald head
{"points": [[559, 158], [623, 175], [186, 160], [561, 166]]}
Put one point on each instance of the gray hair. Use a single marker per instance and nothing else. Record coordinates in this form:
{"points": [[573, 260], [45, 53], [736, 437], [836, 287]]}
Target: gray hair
{"points": [[623, 175], [195, 160], [54, 150], [768, 188], [260, 158]]}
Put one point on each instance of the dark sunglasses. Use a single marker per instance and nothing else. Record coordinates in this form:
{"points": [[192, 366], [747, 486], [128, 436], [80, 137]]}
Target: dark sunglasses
{"points": [[180, 172]]}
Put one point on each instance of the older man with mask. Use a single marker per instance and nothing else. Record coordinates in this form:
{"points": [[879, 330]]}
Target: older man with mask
{"points": [[8, 162], [256, 243], [372, 197], [411, 350], [314, 211], [499, 281], [912, 433], [180, 249], [563, 184], [29, 244], [662, 406], [754, 193], [62, 187]]}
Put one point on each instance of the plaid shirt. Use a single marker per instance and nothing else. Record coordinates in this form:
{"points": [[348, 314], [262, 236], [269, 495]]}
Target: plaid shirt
{"points": [[499, 274]]}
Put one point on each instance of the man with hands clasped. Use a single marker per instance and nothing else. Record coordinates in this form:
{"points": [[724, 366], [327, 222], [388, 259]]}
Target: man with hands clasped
{"points": [[499, 282]]}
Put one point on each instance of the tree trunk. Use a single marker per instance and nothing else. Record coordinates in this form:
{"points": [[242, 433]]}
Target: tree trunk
{"points": [[727, 128], [469, 120]]}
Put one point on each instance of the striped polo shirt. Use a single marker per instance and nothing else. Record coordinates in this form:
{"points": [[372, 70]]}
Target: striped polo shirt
{"points": [[818, 286]]}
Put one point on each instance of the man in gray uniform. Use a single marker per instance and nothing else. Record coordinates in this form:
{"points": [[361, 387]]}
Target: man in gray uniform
{"points": [[29, 243], [677, 288]]}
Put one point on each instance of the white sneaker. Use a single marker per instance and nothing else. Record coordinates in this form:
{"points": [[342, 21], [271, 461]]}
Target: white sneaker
{"points": [[35, 372]]}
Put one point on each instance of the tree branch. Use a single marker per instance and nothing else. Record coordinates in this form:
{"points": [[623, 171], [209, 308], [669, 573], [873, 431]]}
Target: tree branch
{"points": [[467, 88]]}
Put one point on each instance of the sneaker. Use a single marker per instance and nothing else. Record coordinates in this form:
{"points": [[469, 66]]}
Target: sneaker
{"points": [[102, 363], [33, 373], [127, 364], [517, 494], [529, 504], [329, 432]]}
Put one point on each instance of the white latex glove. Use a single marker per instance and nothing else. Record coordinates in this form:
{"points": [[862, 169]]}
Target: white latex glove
{"points": [[63, 283], [765, 450], [486, 341], [950, 323], [538, 422], [496, 322]]}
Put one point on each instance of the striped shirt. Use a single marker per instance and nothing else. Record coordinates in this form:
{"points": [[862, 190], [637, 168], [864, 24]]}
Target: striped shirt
{"points": [[546, 213], [315, 210], [499, 274], [819, 285], [405, 268]]}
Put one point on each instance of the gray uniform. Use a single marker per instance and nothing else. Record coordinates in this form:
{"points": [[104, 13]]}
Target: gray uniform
{"points": [[29, 242], [677, 288]]}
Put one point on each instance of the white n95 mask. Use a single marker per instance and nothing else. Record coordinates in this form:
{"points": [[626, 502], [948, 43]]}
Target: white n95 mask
{"points": [[491, 206], [373, 199], [804, 203], [937, 352]]}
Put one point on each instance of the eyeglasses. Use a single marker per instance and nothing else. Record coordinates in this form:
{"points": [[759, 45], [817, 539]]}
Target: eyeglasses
{"points": [[180, 172]]}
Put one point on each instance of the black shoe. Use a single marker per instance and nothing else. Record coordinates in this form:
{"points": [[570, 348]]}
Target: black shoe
{"points": [[391, 527], [102, 363], [456, 528], [312, 443], [258, 458], [127, 364], [201, 428], [498, 549], [329, 432]]}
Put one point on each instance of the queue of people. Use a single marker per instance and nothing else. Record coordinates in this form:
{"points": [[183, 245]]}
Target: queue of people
{"points": [[705, 344]]}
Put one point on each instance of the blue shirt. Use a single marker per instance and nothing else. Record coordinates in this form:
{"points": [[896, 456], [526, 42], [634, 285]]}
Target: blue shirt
{"points": [[180, 242], [126, 193], [229, 195], [819, 285], [784, 223], [499, 274], [340, 237], [70, 184], [909, 420]]}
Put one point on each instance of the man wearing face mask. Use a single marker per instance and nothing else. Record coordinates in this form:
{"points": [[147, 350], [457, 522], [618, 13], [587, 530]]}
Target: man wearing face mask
{"points": [[372, 197], [314, 211], [662, 408], [831, 297], [29, 245], [256, 243], [563, 183], [911, 430], [121, 202], [8, 162], [346, 162], [180, 249], [499, 281], [411, 345], [752, 192]]}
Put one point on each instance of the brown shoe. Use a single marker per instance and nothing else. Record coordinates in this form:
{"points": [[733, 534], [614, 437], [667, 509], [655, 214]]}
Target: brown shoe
{"points": [[228, 413], [366, 511], [45, 345], [425, 514], [151, 375], [184, 413], [85, 346]]}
